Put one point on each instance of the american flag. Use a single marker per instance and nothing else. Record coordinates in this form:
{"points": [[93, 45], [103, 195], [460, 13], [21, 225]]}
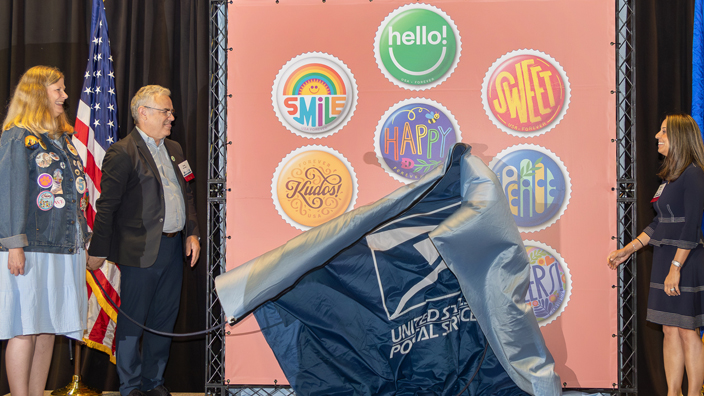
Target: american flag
{"points": [[96, 129]]}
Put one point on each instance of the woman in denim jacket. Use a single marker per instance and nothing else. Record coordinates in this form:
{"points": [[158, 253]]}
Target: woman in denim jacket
{"points": [[43, 232]]}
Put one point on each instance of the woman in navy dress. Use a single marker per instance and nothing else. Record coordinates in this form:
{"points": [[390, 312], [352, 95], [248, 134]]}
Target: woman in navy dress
{"points": [[676, 297]]}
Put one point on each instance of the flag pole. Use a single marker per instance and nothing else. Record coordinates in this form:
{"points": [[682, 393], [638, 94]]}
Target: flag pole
{"points": [[95, 130]]}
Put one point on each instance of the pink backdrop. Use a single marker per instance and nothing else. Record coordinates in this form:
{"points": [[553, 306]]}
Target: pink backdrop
{"points": [[577, 34]]}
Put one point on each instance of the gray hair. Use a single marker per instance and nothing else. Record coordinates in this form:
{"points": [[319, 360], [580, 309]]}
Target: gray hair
{"points": [[146, 94]]}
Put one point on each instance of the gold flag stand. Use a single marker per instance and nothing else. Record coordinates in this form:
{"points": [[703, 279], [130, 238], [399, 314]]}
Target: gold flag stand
{"points": [[76, 387]]}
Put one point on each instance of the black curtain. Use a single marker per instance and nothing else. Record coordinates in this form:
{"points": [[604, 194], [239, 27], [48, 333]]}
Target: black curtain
{"points": [[161, 42], [166, 42], [663, 85]]}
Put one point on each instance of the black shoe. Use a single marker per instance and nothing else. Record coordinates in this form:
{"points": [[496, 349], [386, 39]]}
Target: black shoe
{"points": [[158, 391], [136, 392]]}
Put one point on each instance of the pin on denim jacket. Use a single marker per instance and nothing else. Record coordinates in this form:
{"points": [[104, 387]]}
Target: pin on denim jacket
{"points": [[43, 194]]}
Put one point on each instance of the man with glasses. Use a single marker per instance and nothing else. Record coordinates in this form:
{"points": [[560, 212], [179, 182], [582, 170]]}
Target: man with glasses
{"points": [[146, 223]]}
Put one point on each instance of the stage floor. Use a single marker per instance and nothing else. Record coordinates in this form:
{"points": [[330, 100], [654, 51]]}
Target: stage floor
{"points": [[116, 393]]}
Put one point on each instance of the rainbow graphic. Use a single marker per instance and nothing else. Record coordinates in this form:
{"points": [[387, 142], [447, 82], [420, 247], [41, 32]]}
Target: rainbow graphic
{"points": [[324, 78], [314, 95]]}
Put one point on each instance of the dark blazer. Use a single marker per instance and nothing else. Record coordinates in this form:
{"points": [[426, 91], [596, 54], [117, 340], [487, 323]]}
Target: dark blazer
{"points": [[130, 210]]}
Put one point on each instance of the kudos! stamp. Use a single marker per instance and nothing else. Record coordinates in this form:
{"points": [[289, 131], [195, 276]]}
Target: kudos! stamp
{"points": [[313, 184]]}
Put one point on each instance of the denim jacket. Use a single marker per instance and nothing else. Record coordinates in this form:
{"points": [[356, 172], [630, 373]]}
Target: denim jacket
{"points": [[43, 194]]}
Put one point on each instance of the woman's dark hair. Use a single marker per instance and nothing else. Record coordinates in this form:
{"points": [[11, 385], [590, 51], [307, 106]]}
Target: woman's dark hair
{"points": [[686, 146]]}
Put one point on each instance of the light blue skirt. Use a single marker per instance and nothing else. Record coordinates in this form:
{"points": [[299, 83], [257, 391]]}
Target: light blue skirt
{"points": [[51, 297]]}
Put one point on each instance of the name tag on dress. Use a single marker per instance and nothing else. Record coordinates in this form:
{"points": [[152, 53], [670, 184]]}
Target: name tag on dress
{"points": [[186, 171], [657, 193]]}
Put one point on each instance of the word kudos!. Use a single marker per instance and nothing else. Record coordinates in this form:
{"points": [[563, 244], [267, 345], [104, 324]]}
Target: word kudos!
{"points": [[314, 111], [312, 185], [315, 185]]}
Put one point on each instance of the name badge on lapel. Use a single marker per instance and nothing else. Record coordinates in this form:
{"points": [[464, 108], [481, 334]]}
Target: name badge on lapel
{"points": [[186, 171], [657, 193]]}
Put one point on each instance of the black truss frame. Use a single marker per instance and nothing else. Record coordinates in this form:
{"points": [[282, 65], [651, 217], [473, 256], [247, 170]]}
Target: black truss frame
{"points": [[215, 382], [625, 92], [217, 157]]}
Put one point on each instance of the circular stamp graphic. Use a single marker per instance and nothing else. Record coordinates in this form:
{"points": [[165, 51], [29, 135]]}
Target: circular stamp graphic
{"points": [[526, 93], [313, 184], [536, 183], [550, 282], [314, 95], [414, 137], [417, 46]]}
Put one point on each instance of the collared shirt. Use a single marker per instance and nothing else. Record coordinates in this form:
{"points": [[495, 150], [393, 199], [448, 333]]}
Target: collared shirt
{"points": [[175, 207]]}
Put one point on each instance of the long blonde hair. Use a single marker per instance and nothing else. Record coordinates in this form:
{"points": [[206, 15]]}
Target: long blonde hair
{"points": [[686, 146], [29, 107]]}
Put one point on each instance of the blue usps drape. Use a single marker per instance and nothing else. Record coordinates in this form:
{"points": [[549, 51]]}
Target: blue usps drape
{"points": [[698, 70], [698, 64], [401, 296]]}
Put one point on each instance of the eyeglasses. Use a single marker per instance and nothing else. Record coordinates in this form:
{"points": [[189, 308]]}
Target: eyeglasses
{"points": [[167, 112]]}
